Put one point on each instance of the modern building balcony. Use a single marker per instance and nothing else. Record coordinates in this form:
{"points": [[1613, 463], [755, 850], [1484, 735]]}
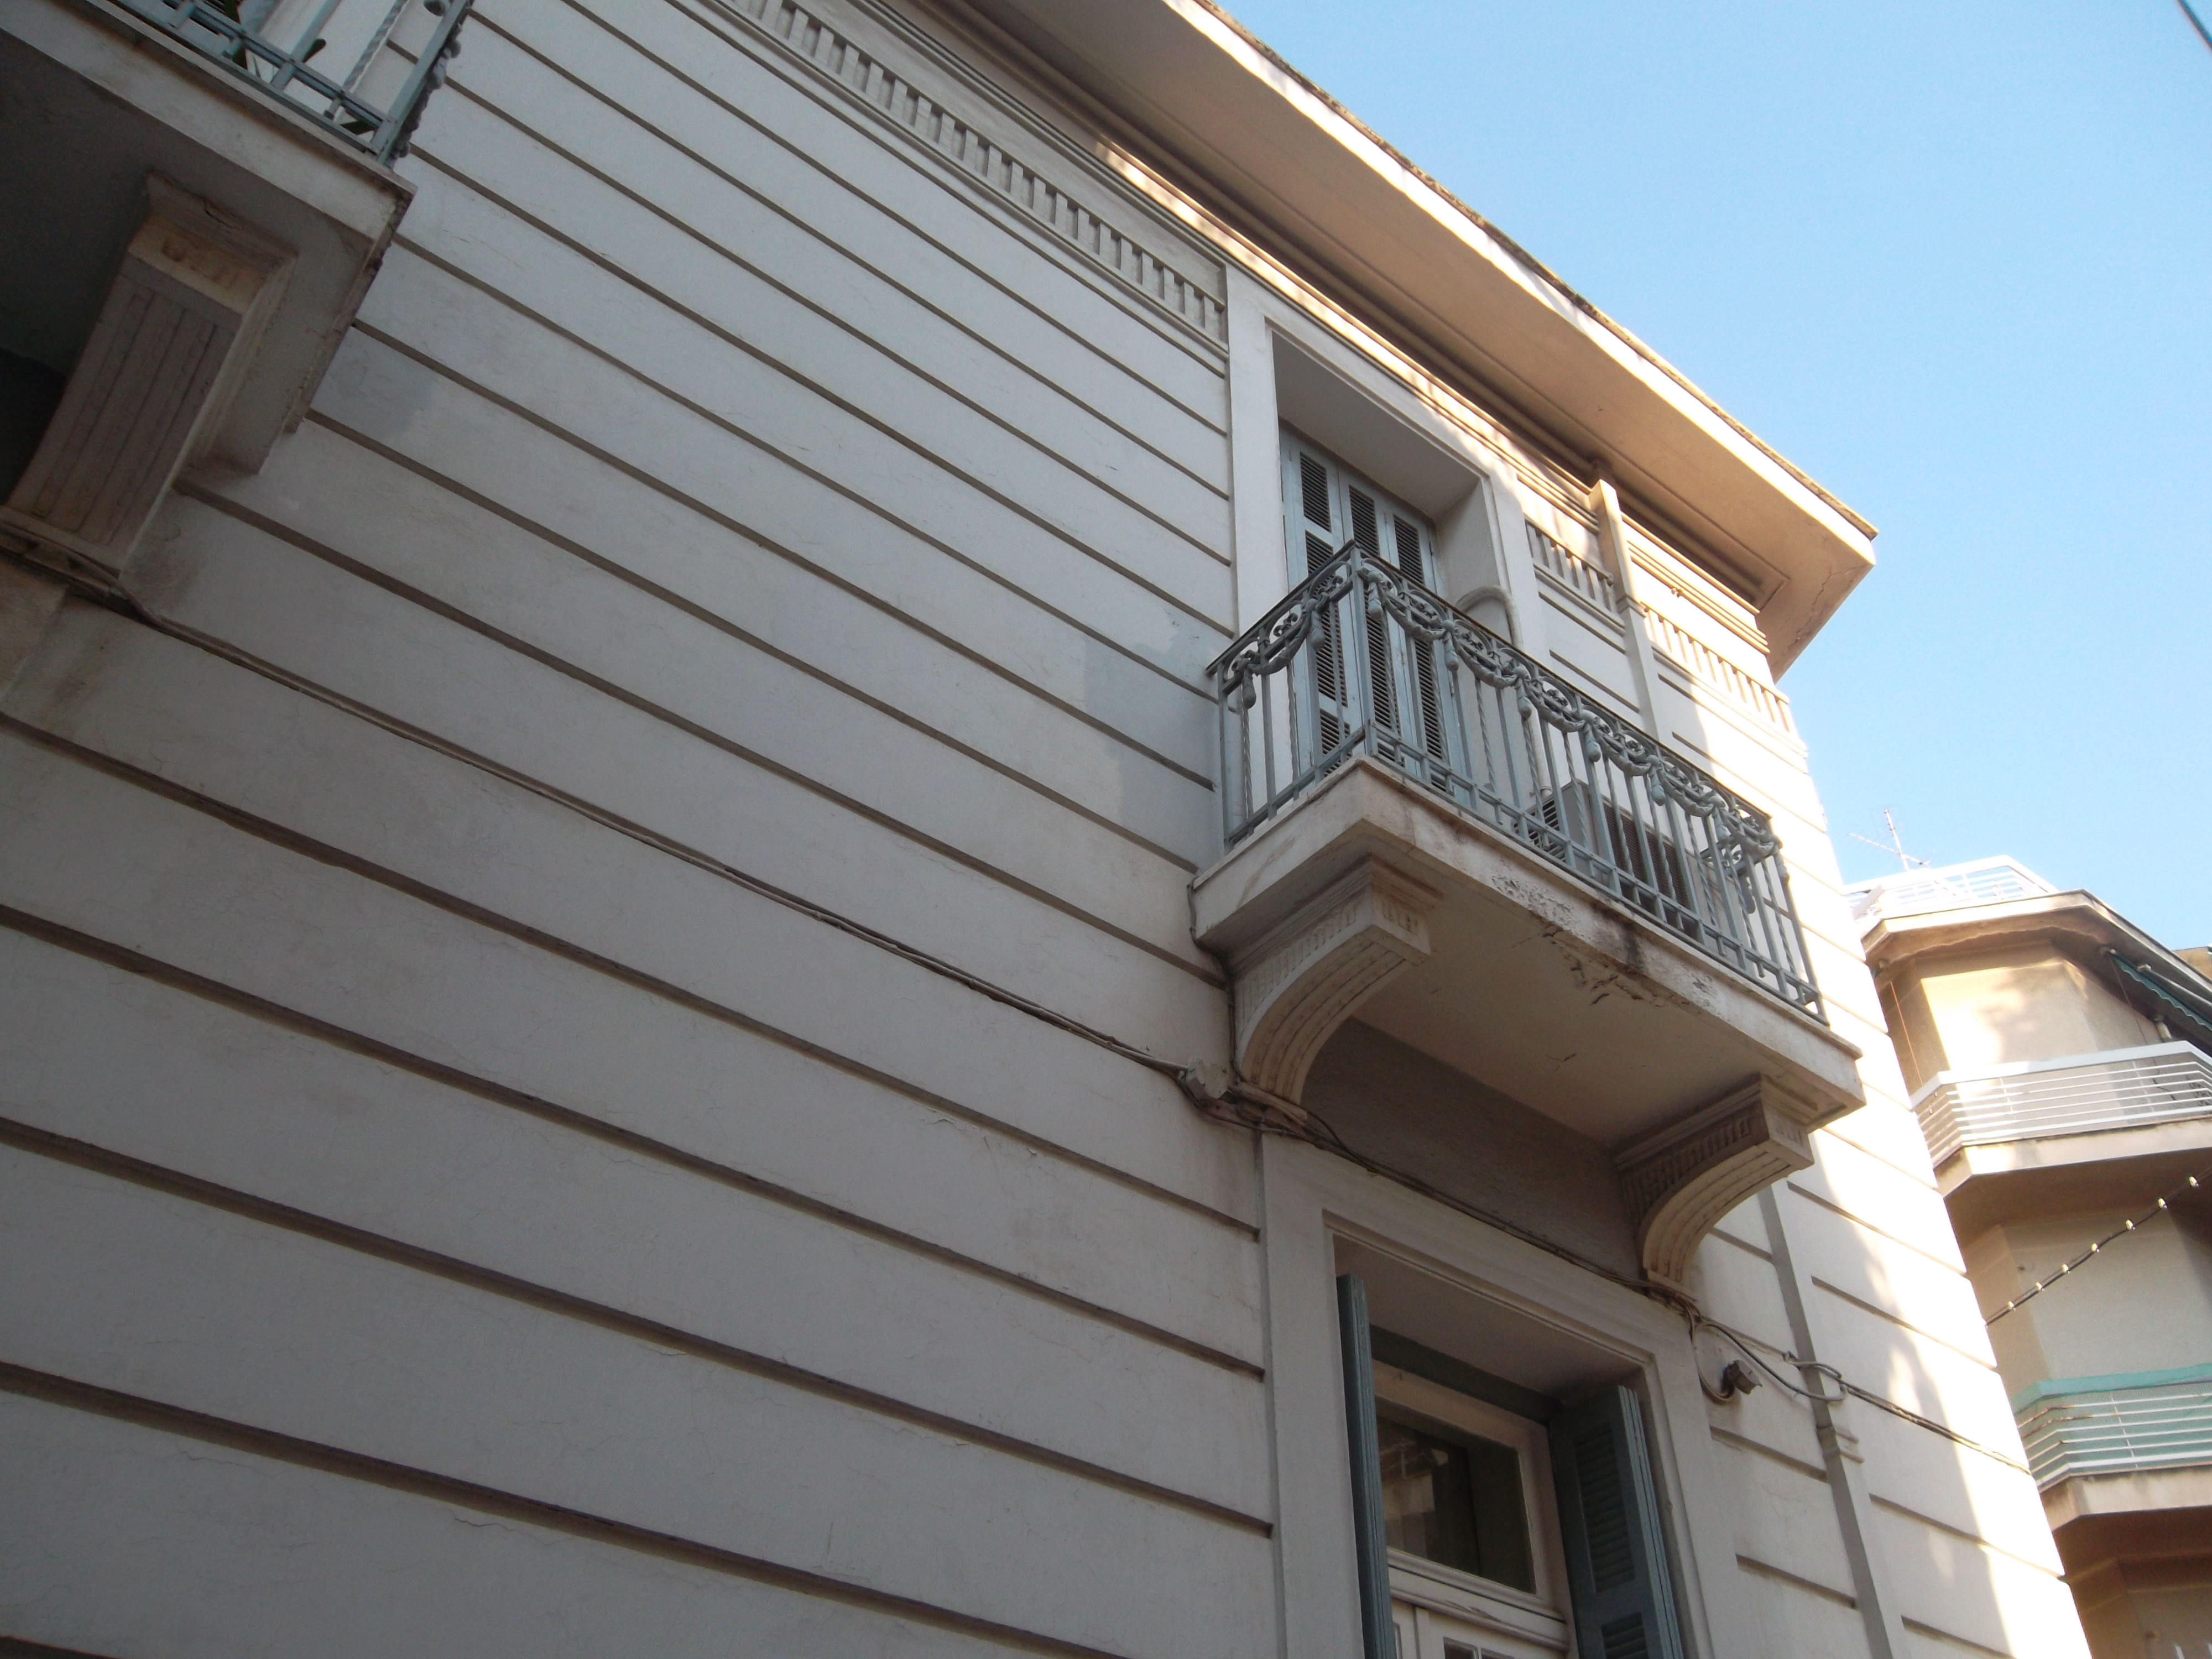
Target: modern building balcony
{"points": [[2048, 1114], [2120, 1444], [198, 193], [1954, 886], [1427, 827]]}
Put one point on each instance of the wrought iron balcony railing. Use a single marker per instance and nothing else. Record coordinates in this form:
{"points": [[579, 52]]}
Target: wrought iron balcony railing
{"points": [[2116, 1425], [361, 66], [1360, 659], [2083, 1094]]}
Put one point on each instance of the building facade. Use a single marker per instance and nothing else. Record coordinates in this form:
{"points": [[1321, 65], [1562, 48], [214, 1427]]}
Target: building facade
{"points": [[908, 827], [2059, 1060]]}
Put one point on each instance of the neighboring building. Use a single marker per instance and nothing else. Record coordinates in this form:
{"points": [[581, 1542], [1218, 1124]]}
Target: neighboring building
{"points": [[2061, 1061], [751, 906]]}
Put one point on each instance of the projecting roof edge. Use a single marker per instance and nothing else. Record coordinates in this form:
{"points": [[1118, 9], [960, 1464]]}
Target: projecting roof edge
{"points": [[1268, 149], [1504, 240], [1894, 938]]}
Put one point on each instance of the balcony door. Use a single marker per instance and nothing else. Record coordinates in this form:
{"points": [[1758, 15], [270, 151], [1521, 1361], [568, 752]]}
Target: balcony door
{"points": [[1403, 686]]}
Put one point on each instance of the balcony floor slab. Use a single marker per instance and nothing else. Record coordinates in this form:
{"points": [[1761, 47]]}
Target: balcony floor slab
{"points": [[1533, 983]]}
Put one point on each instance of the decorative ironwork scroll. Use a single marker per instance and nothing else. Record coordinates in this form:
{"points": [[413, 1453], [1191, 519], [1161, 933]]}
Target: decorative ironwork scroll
{"points": [[1360, 659]]}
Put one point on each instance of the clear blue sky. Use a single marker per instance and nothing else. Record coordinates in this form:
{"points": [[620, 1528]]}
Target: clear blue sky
{"points": [[1954, 260]]}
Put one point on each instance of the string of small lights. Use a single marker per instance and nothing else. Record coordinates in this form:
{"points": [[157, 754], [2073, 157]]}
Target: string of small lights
{"points": [[2122, 1231]]}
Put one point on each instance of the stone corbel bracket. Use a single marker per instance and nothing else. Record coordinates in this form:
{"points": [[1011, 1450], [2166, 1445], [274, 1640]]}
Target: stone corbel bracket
{"points": [[1304, 977], [1679, 1183], [170, 346]]}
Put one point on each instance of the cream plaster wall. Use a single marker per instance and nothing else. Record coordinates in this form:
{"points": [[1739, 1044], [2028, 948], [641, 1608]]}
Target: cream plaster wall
{"points": [[2023, 1002], [2147, 1307]]}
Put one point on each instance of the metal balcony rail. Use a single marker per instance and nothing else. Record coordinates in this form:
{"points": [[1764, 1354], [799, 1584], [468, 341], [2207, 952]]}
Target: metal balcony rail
{"points": [[2088, 1426], [1361, 659], [1915, 892], [394, 54], [2081, 1094]]}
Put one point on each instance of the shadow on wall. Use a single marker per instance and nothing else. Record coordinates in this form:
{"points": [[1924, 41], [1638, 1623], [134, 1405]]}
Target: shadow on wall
{"points": [[1396, 1105]]}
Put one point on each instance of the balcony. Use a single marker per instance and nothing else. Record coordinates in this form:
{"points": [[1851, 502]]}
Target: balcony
{"points": [[198, 193], [2134, 1424], [1428, 827], [2123, 1090]]}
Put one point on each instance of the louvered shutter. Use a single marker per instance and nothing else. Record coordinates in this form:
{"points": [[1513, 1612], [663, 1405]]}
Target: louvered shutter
{"points": [[1313, 512], [1624, 1602], [1408, 542], [1367, 532], [1309, 505], [1379, 1639], [1410, 698]]}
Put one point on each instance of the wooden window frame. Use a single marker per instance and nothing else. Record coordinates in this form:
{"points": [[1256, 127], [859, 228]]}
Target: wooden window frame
{"points": [[1540, 1617]]}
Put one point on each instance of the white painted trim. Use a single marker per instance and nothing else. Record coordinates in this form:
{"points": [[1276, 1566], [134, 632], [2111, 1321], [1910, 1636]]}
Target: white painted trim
{"points": [[1540, 1514], [1309, 1200], [1258, 312]]}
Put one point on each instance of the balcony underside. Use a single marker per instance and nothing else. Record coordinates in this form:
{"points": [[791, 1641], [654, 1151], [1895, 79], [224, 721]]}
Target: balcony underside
{"points": [[156, 202], [1375, 894], [2097, 1517], [2122, 1171], [1532, 983]]}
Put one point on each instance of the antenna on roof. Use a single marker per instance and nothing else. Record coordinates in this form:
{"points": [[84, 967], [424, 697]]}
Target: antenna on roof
{"points": [[2195, 21], [1895, 846]]}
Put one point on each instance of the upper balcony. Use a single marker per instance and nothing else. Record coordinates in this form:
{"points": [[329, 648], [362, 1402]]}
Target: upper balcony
{"points": [[2058, 1055], [2003, 1118], [197, 194], [361, 68], [1425, 826], [1925, 891]]}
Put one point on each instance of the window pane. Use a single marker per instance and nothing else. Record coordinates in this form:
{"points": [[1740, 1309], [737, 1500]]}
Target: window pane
{"points": [[1454, 1499]]}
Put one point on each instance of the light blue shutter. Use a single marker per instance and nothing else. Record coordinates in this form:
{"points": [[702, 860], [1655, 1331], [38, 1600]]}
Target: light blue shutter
{"points": [[1378, 1639], [1406, 541], [1313, 512], [1310, 508], [1624, 1602]]}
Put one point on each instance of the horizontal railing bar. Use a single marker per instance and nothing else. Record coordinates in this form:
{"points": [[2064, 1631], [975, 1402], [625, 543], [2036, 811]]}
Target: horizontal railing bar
{"points": [[2080, 1094], [2102, 1432], [2028, 1067]]}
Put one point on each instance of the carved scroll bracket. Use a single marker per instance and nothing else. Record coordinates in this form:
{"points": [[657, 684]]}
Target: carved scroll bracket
{"points": [[166, 352], [1304, 977], [1679, 1183]]}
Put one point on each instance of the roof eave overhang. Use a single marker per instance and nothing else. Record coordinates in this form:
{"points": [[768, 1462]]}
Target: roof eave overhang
{"points": [[1217, 102], [2077, 914]]}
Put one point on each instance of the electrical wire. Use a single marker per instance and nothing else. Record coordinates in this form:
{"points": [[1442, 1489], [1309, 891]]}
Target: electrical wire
{"points": [[2195, 21], [1267, 1116], [1749, 1345]]}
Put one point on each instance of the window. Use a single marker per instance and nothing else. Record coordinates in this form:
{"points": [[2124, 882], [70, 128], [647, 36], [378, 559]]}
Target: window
{"points": [[1492, 1520], [1453, 1497]]}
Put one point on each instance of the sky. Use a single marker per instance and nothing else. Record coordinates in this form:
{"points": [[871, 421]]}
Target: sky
{"points": [[1952, 259]]}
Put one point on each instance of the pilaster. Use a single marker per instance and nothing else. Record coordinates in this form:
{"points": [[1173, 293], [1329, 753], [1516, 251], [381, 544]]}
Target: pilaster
{"points": [[1839, 1452]]}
